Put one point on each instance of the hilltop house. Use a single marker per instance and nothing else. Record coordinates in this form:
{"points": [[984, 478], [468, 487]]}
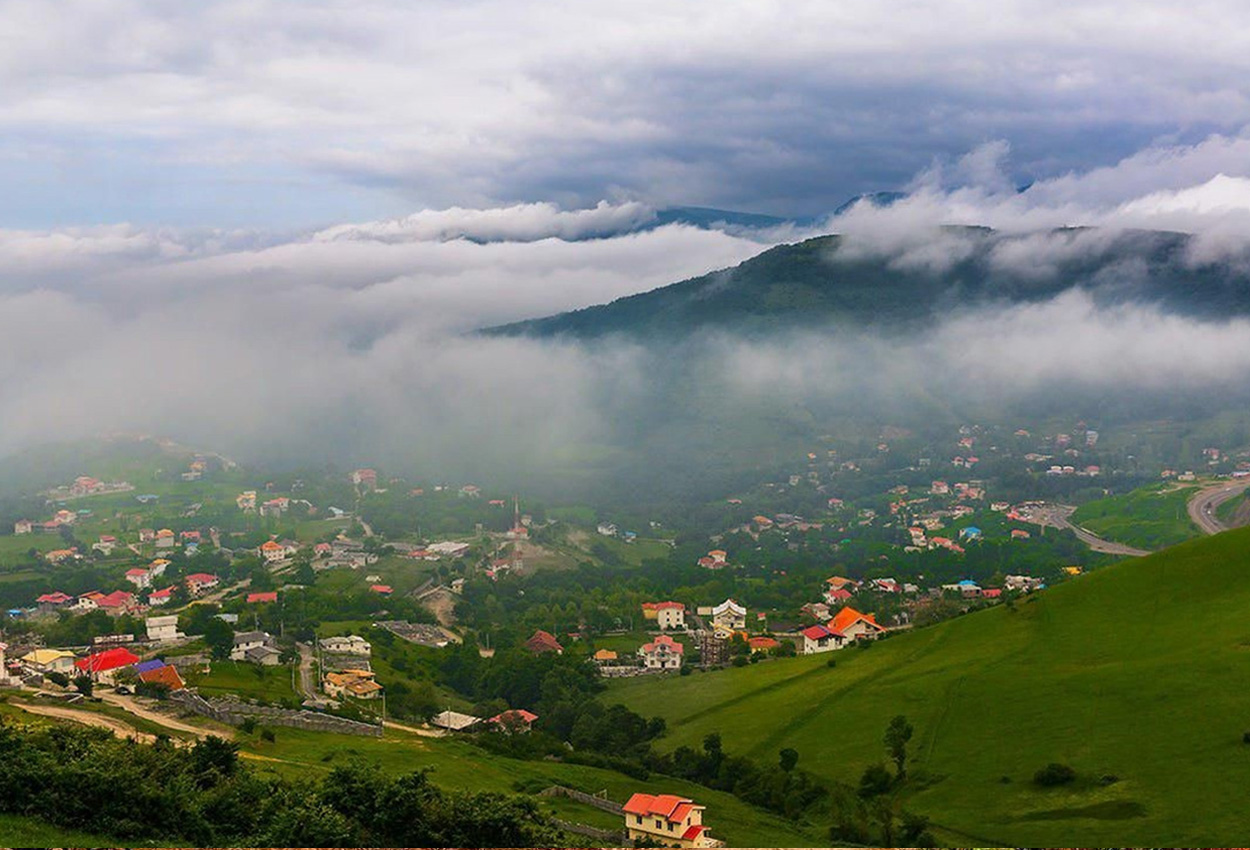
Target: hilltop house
{"points": [[51, 602], [163, 628], [667, 615], [729, 614], [272, 550], [666, 820], [351, 683], [663, 653], [514, 720]]}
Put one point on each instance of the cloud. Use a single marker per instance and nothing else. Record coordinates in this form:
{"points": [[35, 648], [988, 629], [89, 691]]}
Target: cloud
{"points": [[787, 109]]}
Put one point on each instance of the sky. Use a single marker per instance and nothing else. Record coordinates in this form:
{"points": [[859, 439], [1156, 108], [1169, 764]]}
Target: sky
{"points": [[265, 228], [280, 115]]}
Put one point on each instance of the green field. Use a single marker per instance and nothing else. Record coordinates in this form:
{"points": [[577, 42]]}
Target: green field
{"points": [[1151, 517], [18, 831], [249, 681], [1136, 671], [458, 764]]}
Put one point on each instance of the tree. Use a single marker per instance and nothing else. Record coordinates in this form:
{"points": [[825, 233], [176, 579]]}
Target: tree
{"points": [[219, 637], [789, 758], [897, 734], [84, 685]]}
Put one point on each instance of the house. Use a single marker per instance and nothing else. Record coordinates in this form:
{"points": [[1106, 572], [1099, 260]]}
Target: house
{"points": [[762, 643], [246, 501], [105, 545], [275, 507], [841, 583], [163, 628], [272, 550], [56, 556], [454, 721], [666, 820], [450, 548], [514, 720], [854, 625], [822, 639], [163, 674], [198, 583], [49, 660], [262, 596], [729, 614], [51, 602], [104, 666], [1019, 534], [605, 656], [139, 577], [818, 611], [146, 535], [117, 603], [264, 656], [349, 645], [244, 641], [1024, 583], [383, 589], [351, 683], [667, 615], [164, 539], [970, 533], [607, 529], [663, 653], [541, 642], [161, 597], [323, 550], [836, 596], [23, 526], [365, 478]]}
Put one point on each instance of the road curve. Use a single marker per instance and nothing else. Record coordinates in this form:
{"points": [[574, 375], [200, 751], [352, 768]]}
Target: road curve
{"points": [[1057, 516], [1203, 505]]}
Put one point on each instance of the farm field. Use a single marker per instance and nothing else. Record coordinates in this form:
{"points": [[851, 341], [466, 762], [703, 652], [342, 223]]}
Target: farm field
{"points": [[1151, 517], [1102, 673], [249, 681]]}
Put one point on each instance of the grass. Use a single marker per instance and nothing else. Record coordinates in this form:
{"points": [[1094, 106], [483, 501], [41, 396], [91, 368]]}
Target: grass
{"points": [[21, 831], [249, 681], [1151, 517], [1134, 671], [458, 764]]}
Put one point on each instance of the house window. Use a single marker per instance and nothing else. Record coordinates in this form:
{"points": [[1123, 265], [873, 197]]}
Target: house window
{"points": [[638, 818], [659, 824]]}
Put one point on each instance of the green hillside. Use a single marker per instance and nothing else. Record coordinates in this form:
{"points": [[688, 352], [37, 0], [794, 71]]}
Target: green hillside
{"points": [[1150, 517], [1136, 671], [811, 283]]}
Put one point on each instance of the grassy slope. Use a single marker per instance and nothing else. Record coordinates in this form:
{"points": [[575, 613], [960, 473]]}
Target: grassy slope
{"points": [[19, 831], [1136, 670], [460, 765], [1149, 517]]}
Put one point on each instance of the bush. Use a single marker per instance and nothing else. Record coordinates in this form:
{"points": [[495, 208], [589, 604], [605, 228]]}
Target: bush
{"points": [[685, 671], [248, 725], [740, 661], [832, 662], [268, 735], [875, 781], [1054, 774]]}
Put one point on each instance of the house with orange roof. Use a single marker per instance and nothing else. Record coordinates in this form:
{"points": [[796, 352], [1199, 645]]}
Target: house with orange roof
{"points": [[667, 615], [272, 550], [666, 820], [605, 656], [165, 539], [165, 674], [854, 625], [197, 583], [762, 643]]}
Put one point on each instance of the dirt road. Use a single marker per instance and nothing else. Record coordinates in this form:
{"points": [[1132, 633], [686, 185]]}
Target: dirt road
{"points": [[87, 718], [132, 705], [1203, 505]]}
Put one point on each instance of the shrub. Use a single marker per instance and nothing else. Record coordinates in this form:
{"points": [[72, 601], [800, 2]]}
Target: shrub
{"points": [[875, 781], [685, 671], [268, 735], [740, 661], [1054, 774], [832, 662], [248, 725]]}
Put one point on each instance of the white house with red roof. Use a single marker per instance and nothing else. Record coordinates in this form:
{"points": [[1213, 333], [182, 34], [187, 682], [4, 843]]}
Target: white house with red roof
{"points": [[820, 638], [667, 615], [666, 820], [514, 720], [663, 653], [272, 550], [104, 666], [164, 596]]}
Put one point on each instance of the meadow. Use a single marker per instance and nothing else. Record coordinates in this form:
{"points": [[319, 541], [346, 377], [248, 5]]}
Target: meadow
{"points": [[1152, 517], [1132, 675]]}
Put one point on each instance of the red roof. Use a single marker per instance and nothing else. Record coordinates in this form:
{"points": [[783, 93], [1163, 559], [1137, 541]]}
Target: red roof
{"points": [[848, 617], [692, 833], [384, 589], [763, 643], [110, 659], [270, 596], [664, 641], [543, 642], [165, 593], [116, 599], [840, 593], [201, 578], [56, 598], [514, 714], [137, 571], [167, 675], [659, 606], [666, 806], [815, 632]]}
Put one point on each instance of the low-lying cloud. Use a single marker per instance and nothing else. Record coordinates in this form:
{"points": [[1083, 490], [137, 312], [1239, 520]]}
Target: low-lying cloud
{"points": [[350, 342]]}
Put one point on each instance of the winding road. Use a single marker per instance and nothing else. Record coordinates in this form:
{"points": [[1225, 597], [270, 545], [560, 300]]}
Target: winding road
{"points": [[1057, 516], [1203, 505]]}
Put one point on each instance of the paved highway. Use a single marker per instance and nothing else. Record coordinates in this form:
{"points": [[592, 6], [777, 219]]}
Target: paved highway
{"points": [[1057, 516], [1203, 505]]}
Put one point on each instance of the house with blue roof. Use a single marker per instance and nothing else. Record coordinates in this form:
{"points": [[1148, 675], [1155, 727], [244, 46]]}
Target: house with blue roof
{"points": [[970, 533]]}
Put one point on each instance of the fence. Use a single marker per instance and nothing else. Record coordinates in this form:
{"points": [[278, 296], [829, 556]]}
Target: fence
{"points": [[583, 797], [611, 837], [235, 712]]}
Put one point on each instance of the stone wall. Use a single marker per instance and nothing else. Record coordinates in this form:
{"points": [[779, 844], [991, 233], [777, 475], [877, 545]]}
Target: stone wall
{"points": [[234, 712]]}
